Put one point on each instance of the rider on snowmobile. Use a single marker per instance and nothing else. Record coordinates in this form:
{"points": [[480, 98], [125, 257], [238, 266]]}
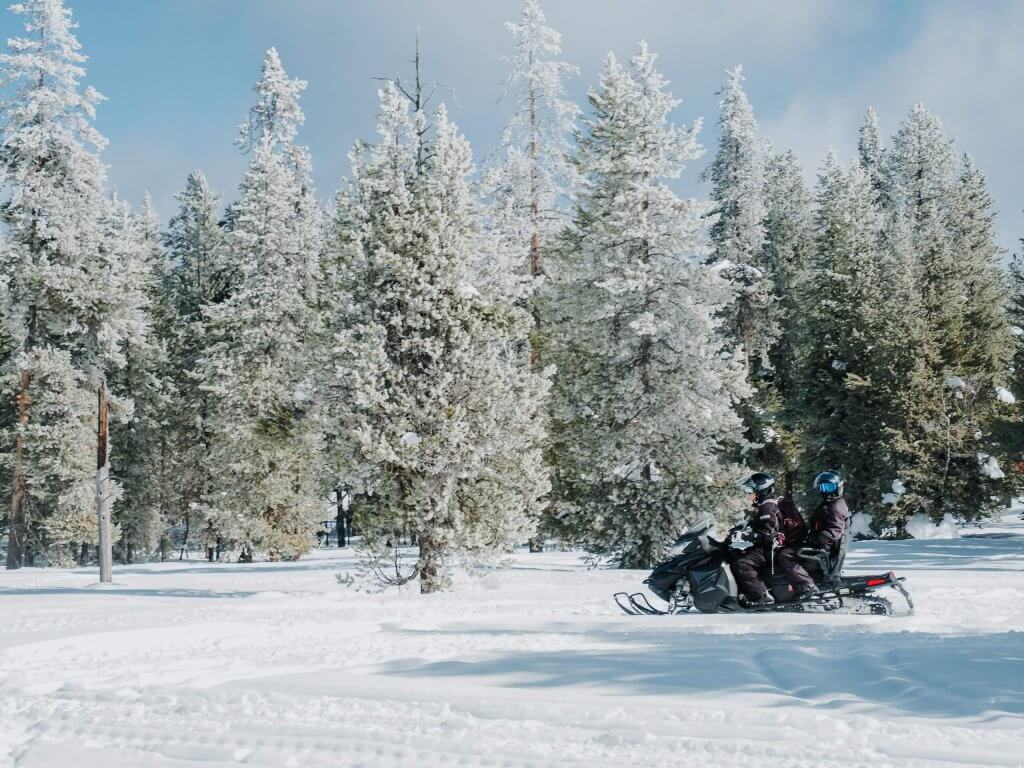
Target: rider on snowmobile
{"points": [[764, 525], [826, 526]]}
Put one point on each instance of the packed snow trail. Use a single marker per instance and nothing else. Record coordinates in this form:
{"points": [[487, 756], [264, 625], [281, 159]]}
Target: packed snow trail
{"points": [[199, 664]]}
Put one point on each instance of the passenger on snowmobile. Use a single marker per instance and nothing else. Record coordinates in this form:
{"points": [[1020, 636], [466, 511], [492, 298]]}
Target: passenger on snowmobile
{"points": [[764, 525], [825, 530]]}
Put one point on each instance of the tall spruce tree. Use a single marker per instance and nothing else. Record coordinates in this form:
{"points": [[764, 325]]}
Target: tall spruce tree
{"points": [[441, 406], [952, 462], [535, 176], [855, 368], [737, 176], [74, 301], [789, 246], [739, 181], [198, 275], [265, 431], [645, 390], [141, 464], [1012, 431], [872, 155]]}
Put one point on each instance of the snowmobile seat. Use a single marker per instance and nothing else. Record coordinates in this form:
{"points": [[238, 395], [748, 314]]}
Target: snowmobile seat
{"points": [[825, 566]]}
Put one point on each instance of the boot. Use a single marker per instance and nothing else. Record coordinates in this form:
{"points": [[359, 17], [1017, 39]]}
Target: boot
{"points": [[804, 594], [764, 600]]}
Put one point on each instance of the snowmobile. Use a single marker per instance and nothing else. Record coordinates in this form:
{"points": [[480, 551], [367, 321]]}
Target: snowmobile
{"points": [[697, 577]]}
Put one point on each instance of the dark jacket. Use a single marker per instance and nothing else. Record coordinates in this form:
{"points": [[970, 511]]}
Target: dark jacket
{"points": [[765, 521], [794, 529], [827, 523]]}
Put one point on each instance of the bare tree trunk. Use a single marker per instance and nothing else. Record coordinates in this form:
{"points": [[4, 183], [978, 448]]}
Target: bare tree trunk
{"points": [[536, 543], [433, 576], [535, 265], [184, 542], [103, 482], [18, 530]]}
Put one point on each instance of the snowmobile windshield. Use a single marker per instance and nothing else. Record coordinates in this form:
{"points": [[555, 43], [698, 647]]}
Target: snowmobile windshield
{"points": [[704, 528], [707, 525]]}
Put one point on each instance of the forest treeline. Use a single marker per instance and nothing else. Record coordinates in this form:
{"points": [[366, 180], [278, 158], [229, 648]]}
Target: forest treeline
{"points": [[549, 343]]}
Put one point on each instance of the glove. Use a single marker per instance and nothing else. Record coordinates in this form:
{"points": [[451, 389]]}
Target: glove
{"points": [[740, 540], [780, 540]]}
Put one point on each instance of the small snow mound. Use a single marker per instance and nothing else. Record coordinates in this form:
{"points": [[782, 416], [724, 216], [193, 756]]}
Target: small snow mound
{"points": [[1005, 396], [920, 526], [989, 467], [838, 365], [411, 439], [955, 382], [860, 525], [1016, 330], [893, 497]]}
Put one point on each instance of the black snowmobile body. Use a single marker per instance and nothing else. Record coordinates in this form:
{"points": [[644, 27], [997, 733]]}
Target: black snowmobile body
{"points": [[698, 576]]}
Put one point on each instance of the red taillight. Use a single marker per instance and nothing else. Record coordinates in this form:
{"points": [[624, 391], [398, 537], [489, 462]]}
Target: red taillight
{"points": [[876, 582]]}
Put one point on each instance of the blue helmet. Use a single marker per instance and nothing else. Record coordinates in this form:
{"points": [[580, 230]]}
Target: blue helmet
{"points": [[829, 484]]}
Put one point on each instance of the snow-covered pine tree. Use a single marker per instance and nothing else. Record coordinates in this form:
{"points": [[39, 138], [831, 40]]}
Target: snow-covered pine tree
{"points": [[1012, 432], [645, 394], [789, 245], [743, 256], [952, 462], [873, 160], [198, 275], [988, 343], [737, 176], [72, 300], [258, 366], [855, 366], [142, 463], [276, 118], [443, 410], [58, 457], [535, 176]]}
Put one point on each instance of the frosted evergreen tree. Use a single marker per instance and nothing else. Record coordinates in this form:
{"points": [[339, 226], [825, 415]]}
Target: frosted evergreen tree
{"points": [[275, 119], [858, 357], [952, 463], [142, 463], [988, 344], [1013, 428], [645, 390], [873, 160], [789, 246], [72, 299], [536, 176], [258, 366], [443, 409], [199, 274], [737, 176]]}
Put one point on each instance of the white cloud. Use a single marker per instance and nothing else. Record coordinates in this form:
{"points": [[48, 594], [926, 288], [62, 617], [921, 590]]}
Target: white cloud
{"points": [[965, 65]]}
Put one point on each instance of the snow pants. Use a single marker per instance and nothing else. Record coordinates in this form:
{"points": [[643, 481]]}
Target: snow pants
{"points": [[789, 561], [747, 568]]}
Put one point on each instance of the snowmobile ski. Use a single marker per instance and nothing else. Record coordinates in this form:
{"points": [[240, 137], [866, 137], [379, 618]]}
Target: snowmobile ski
{"points": [[636, 604]]}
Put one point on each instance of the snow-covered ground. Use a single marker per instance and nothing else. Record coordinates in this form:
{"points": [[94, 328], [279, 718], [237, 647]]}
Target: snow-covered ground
{"points": [[277, 665]]}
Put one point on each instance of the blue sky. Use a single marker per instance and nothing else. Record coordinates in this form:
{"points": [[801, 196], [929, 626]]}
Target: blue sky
{"points": [[178, 73]]}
